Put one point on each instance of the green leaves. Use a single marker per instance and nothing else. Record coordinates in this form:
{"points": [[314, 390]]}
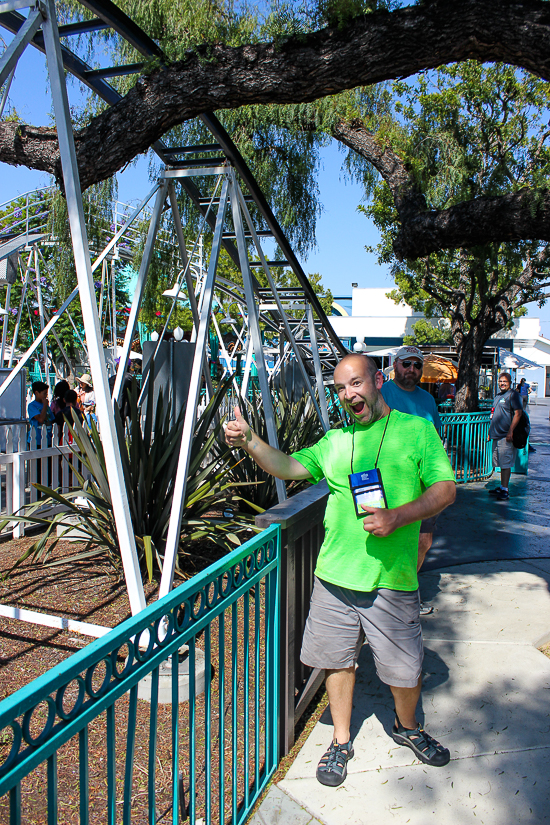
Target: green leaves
{"points": [[297, 427], [149, 450]]}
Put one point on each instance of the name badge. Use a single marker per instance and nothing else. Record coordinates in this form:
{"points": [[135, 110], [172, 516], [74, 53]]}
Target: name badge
{"points": [[367, 488]]}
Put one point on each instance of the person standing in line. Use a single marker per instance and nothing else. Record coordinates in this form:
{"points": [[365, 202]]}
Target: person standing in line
{"points": [[366, 582], [404, 394], [86, 398], [39, 413], [524, 389], [505, 416], [58, 403]]}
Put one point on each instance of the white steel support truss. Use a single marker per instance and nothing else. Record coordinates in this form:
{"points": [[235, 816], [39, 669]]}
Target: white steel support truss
{"points": [[180, 484], [254, 327], [86, 290], [249, 337]]}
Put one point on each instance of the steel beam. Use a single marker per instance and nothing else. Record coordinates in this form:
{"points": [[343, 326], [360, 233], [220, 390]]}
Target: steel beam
{"points": [[180, 484], [5, 325], [86, 290], [41, 317], [183, 252], [12, 5], [19, 44], [193, 172], [123, 229], [233, 154], [139, 289], [5, 97], [20, 310], [284, 319], [318, 370], [254, 328]]}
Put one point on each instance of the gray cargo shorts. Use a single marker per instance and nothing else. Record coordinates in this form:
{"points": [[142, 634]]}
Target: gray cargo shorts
{"points": [[504, 454], [340, 619]]}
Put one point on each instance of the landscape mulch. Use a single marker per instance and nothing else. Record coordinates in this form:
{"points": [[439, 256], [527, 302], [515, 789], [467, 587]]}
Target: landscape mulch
{"points": [[92, 591]]}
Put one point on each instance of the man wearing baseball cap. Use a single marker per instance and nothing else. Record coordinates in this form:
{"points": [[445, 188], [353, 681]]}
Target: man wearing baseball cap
{"points": [[404, 394]]}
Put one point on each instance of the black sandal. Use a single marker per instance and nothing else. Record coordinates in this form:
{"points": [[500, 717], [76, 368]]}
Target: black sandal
{"points": [[332, 768], [425, 747]]}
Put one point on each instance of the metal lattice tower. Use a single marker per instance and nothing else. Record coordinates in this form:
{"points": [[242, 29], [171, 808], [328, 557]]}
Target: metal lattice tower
{"points": [[308, 340]]}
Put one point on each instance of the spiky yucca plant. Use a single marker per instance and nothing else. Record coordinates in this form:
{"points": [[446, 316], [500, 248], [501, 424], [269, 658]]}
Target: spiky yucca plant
{"points": [[297, 426], [149, 456]]}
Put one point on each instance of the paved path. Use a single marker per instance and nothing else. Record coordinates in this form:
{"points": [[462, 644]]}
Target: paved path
{"points": [[480, 528], [486, 686]]}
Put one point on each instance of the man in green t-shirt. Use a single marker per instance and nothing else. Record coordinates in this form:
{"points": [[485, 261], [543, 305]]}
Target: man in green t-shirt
{"points": [[365, 579]]}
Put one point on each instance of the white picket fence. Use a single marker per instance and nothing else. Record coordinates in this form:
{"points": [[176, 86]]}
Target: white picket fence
{"points": [[24, 464]]}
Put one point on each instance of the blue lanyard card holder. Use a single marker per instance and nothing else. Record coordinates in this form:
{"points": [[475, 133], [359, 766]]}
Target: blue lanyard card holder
{"points": [[367, 488]]}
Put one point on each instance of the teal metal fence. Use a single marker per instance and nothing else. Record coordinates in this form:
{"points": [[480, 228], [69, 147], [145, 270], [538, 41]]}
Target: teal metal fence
{"points": [[79, 744], [465, 440]]}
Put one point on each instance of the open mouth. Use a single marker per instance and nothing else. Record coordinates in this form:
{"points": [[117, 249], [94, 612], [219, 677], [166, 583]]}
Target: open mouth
{"points": [[358, 408]]}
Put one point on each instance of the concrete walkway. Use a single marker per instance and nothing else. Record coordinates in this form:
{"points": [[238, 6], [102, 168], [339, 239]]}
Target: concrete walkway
{"points": [[486, 689]]}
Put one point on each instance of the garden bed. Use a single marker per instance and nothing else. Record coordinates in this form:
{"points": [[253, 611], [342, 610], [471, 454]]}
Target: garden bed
{"points": [[88, 591]]}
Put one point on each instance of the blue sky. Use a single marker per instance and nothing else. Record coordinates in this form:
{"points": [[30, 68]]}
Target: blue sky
{"points": [[342, 232]]}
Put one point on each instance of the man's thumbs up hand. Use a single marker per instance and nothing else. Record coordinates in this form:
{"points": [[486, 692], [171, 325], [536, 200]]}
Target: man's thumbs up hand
{"points": [[237, 432]]}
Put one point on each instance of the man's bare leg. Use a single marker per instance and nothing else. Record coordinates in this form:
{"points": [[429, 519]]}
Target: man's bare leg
{"points": [[340, 684], [406, 700], [408, 732]]}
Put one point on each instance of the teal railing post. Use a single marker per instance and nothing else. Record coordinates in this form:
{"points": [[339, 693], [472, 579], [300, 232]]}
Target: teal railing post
{"points": [[465, 440], [214, 783], [466, 460]]}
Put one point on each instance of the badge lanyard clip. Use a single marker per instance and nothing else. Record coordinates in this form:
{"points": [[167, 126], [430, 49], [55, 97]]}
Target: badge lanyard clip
{"points": [[367, 487]]}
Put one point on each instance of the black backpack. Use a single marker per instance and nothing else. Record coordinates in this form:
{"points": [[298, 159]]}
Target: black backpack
{"points": [[521, 432]]}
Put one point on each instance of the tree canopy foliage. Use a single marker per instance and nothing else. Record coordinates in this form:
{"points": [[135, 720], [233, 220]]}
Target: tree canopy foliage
{"points": [[468, 132], [456, 163], [223, 57]]}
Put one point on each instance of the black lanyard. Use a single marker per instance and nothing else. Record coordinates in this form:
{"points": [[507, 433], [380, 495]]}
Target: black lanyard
{"points": [[379, 448]]}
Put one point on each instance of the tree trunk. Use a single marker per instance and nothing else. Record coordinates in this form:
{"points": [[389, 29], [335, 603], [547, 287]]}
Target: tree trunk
{"points": [[470, 353]]}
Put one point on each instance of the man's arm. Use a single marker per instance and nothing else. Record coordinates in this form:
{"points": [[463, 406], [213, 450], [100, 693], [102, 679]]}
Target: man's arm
{"points": [[274, 462], [41, 417], [433, 500]]}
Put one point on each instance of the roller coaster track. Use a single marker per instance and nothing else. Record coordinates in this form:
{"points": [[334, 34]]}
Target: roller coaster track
{"points": [[109, 16]]}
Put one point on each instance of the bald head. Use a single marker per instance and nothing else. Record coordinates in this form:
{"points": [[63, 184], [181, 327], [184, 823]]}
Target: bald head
{"points": [[361, 361], [357, 382]]}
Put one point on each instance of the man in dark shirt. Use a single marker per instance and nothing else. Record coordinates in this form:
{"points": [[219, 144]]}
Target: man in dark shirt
{"points": [[507, 409]]}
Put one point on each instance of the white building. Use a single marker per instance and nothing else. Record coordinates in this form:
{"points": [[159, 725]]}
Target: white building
{"points": [[383, 323], [525, 339]]}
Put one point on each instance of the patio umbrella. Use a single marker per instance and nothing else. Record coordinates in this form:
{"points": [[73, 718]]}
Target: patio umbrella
{"points": [[513, 361], [438, 369]]}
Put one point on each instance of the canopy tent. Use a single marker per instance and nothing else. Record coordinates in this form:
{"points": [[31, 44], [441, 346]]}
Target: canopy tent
{"points": [[436, 370], [134, 356], [380, 353], [513, 361]]}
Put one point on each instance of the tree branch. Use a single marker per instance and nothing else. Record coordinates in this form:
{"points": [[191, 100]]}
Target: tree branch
{"points": [[373, 48], [523, 215]]}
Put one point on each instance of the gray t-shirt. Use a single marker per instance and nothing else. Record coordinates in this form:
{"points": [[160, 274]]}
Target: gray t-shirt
{"points": [[504, 406]]}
